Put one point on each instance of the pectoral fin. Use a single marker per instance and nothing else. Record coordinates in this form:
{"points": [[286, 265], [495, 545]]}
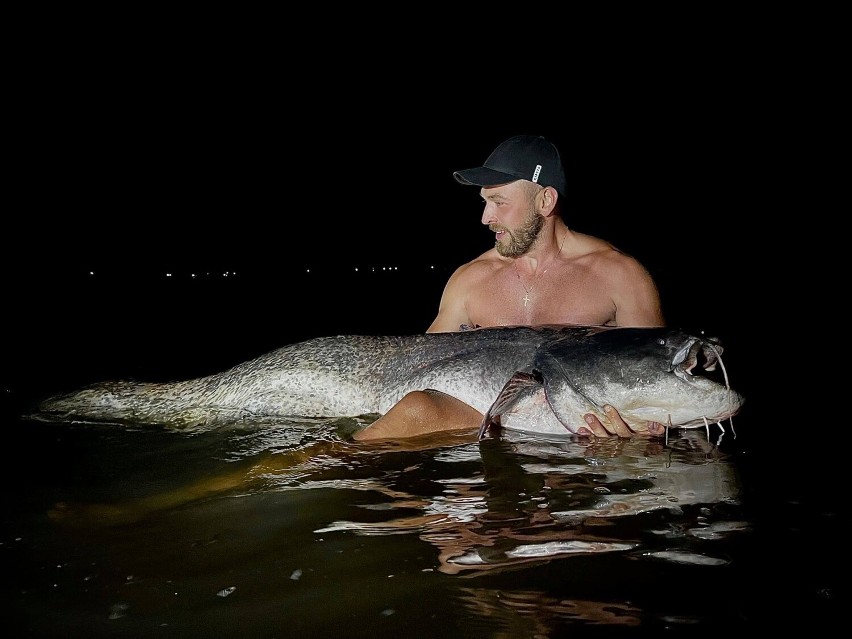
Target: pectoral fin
{"points": [[518, 386]]}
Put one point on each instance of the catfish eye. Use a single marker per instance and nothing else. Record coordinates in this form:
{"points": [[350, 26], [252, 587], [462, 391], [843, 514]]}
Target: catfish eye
{"points": [[661, 341]]}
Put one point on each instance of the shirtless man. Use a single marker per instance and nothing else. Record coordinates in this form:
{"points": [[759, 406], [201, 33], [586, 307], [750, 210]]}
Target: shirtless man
{"points": [[539, 272]]}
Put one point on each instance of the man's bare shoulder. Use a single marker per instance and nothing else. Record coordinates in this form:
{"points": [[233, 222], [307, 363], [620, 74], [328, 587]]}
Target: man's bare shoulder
{"points": [[602, 255], [481, 266]]}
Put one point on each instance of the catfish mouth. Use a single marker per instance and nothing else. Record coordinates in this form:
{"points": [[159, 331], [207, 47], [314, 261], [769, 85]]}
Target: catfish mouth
{"points": [[699, 362], [699, 357]]}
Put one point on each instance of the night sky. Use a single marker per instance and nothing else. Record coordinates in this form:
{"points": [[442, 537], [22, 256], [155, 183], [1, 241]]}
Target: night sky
{"points": [[168, 150], [204, 143], [181, 187], [193, 186]]}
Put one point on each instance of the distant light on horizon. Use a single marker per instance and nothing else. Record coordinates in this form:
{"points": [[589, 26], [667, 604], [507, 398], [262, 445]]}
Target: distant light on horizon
{"points": [[157, 273]]}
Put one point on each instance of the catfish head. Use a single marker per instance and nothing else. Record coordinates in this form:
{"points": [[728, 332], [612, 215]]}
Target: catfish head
{"points": [[649, 374]]}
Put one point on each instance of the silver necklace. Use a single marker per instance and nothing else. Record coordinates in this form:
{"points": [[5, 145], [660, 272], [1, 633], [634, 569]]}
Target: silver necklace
{"points": [[527, 291]]}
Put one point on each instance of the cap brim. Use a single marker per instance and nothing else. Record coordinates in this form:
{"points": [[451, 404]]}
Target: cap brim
{"points": [[483, 176]]}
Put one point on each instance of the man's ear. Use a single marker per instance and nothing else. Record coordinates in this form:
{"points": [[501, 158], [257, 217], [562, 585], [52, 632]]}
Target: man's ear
{"points": [[547, 198]]}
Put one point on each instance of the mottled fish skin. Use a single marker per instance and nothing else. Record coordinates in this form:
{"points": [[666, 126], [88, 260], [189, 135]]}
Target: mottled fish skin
{"points": [[579, 368]]}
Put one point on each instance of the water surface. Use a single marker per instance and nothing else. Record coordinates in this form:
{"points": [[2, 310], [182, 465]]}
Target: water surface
{"points": [[291, 529]]}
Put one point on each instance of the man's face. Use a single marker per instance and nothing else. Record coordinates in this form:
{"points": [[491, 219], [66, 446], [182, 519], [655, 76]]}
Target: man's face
{"points": [[510, 212], [518, 241]]}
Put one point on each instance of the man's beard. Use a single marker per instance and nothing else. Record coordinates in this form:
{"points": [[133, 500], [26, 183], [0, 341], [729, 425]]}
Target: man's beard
{"points": [[521, 239]]}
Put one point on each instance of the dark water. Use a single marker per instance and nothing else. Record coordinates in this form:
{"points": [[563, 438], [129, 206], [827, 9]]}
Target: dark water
{"points": [[292, 530]]}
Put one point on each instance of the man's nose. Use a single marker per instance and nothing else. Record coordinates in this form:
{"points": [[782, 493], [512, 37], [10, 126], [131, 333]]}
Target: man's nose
{"points": [[487, 216]]}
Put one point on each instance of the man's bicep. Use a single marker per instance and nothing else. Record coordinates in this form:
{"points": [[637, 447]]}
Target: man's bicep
{"points": [[451, 310], [638, 304], [448, 320]]}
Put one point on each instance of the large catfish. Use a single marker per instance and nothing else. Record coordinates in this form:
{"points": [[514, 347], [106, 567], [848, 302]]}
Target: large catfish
{"points": [[540, 380]]}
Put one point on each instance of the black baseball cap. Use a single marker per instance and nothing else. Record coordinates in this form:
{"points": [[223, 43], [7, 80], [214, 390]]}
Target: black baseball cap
{"points": [[523, 157]]}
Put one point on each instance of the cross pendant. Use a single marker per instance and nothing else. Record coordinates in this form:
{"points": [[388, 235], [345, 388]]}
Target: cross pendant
{"points": [[526, 299]]}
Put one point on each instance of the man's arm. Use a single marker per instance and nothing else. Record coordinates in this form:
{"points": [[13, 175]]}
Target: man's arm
{"points": [[636, 298], [451, 309]]}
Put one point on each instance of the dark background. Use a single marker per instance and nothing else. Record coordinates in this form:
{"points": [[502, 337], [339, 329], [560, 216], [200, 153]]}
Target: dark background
{"points": [[136, 151]]}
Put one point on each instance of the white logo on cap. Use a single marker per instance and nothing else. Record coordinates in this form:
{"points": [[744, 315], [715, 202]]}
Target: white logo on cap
{"points": [[536, 172]]}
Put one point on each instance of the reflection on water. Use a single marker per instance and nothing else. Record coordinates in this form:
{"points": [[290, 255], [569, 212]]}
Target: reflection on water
{"points": [[128, 532], [530, 501]]}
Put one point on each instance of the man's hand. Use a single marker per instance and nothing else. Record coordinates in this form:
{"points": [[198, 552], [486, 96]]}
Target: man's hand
{"points": [[615, 425]]}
